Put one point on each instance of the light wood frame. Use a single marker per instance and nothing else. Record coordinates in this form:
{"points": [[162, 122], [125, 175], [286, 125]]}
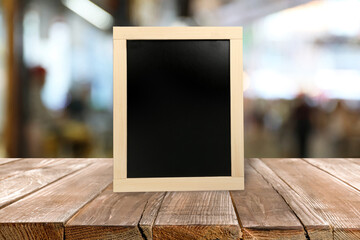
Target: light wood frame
{"points": [[233, 182]]}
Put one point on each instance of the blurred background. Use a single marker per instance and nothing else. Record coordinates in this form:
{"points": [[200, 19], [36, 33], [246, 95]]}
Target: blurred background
{"points": [[301, 72]]}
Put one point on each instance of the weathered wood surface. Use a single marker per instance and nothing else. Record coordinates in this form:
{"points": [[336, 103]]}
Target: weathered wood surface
{"points": [[150, 213], [18, 167], [113, 216], [347, 170], [263, 212], [41, 215], [32, 174], [196, 215], [283, 199], [328, 207], [7, 160]]}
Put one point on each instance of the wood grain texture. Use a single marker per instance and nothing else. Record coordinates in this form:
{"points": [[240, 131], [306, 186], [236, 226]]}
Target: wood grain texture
{"points": [[150, 213], [38, 231], [7, 160], [347, 170], [55, 203], [263, 213], [280, 195], [318, 199], [316, 226], [196, 215], [112, 216], [20, 178], [18, 167]]}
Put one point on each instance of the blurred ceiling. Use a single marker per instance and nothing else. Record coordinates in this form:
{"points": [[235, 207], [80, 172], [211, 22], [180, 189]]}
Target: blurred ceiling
{"points": [[207, 12], [240, 12], [193, 12]]}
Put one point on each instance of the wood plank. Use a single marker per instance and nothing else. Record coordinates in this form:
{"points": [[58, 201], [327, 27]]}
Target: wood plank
{"points": [[196, 215], [263, 213], [7, 160], [42, 214], [19, 167], [316, 226], [15, 231], [327, 207], [355, 160], [113, 216], [347, 170], [29, 175], [150, 213]]}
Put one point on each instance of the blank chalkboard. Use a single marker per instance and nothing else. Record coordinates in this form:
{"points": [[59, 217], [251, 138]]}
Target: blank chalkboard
{"points": [[178, 109], [178, 113]]}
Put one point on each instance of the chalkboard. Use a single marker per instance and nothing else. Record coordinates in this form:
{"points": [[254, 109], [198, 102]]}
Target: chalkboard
{"points": [[178, 114], [175, 109]]}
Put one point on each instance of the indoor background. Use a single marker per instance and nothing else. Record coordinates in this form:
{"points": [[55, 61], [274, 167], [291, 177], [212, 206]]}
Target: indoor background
{"points": [[301, 72]]}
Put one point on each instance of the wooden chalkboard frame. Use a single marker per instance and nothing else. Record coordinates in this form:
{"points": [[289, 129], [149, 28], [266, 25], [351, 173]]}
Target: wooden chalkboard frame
{"points": [[124, 184]]}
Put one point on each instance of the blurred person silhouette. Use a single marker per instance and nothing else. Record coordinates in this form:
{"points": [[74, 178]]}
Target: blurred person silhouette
{"points": [[39, 124], [75, 133], [301, 120], [341, 128], [51, 136]]}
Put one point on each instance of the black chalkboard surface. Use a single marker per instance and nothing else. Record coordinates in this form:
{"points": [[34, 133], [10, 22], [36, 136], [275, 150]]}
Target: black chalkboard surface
{"points": [[178, 108]]}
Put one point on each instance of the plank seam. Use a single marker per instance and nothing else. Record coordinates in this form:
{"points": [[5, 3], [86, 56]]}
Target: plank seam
{"points": [[354, 160], [15, 160], [157, 213], [237, 215], [286, 202], [76, 212], [36, 190], [47, 164], [138, 224], [88, 202], [334, 176]]}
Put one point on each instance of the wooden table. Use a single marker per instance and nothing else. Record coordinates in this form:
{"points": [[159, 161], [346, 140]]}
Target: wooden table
{"points": [[283, 199]]}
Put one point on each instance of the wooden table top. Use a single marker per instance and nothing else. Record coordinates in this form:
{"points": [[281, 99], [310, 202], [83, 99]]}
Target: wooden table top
{"points": [[283, 199]]}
